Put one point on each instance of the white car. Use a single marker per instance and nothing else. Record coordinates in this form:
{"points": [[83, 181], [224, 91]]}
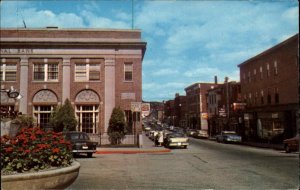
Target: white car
{"points": [[201, 134], [176, 140]]}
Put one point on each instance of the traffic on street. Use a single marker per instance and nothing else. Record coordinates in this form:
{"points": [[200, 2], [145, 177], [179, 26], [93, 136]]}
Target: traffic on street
{"points": [[204, 164]]}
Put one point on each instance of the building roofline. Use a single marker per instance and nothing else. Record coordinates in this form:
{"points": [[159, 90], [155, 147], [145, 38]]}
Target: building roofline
{"points": [[271, 49], [197, 83], [74, 29]]}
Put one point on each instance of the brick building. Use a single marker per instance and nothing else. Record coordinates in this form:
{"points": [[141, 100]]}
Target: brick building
{"points": [[196, 105], [224, 105], [180, 111], [269, 86], [169, 112], [95, 69]]}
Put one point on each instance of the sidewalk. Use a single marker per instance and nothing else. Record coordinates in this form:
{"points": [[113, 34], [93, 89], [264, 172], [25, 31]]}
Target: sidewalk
{"points": [[147, 146], [259, 144], [264, 145]]}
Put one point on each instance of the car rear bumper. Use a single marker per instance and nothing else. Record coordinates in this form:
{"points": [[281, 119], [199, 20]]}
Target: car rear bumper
{"points": [[178, 144], [83, 151], [233, 140]]}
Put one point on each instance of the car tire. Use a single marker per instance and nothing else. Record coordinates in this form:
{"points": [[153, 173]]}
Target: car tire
{"points": [[185, 147], [90, 154]]}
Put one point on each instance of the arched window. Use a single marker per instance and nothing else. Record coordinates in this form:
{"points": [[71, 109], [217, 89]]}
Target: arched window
{"points": [[44, 102], [87, 111]]}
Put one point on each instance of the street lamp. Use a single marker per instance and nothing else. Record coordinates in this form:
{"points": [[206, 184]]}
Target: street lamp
{"points": [[12, 93]]}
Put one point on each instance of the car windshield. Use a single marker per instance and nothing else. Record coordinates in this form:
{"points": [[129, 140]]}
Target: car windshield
{"points": [[79, 136]]}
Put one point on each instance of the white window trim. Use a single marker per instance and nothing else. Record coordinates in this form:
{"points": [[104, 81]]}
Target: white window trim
{"points": [[46, 73], [4, 70], [87, 72], [38, 112], [128, 63], [95, 116]]}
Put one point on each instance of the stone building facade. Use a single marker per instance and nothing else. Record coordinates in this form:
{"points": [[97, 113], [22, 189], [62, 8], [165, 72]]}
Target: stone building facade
{"points": [[95, 69], [269, 87]]}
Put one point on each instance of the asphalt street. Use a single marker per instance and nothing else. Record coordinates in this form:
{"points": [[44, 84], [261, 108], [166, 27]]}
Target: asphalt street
{"points": [[204, 165]]}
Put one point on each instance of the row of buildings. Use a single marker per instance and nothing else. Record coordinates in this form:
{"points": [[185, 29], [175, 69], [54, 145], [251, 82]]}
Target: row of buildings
{"points": [[96, 69], [262, 106]]}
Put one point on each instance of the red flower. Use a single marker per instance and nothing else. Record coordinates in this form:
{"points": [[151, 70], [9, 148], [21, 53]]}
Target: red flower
{"points": [[27, 151], [44, 139], [33, 137], [55, 150], [39, 132], [54, 142], [9, 149], [14, 142], [20, 149]]}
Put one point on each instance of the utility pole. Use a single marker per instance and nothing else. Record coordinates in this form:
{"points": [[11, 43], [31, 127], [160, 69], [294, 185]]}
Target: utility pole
{"points": [[132, 14], [227, 96]]}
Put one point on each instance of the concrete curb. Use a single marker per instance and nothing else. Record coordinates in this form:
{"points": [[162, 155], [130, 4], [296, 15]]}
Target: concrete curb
{"points": [[142, 151]]}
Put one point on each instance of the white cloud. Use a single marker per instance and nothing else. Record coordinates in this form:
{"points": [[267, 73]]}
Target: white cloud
{"points": [[164, 72], [187, 41], [291, 14], [206, 71], [95, 21]]}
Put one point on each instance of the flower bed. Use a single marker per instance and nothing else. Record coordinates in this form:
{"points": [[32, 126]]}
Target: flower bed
{"points": [[34, 149]]}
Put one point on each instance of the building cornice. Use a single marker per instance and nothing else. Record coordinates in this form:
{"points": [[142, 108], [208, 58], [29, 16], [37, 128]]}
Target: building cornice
{"points": [[289, 40]]}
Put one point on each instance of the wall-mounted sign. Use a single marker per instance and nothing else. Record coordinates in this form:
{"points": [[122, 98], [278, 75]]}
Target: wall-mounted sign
{"points": [[16, 51], [136, 106]]}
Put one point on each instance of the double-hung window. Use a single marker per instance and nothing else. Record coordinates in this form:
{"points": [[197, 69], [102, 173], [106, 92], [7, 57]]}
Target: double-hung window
{"points": [[87, 72], [88, 118], [45, 72], [8, 72], [275, 68], [128, 71], [42, 114]]}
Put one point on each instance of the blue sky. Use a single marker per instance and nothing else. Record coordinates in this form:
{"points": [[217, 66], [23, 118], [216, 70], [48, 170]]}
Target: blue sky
{"points": [[187, 41]]}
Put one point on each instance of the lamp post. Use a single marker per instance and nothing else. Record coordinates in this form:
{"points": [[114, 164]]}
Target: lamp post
{"points": [[12, 93]]}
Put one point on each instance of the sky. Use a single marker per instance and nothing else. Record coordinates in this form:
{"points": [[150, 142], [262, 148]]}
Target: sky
{"points": [[187, 41]]}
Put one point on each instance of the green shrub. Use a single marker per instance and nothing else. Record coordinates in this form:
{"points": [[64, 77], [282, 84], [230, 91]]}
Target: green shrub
{"points": [[34, 149], [63, 118], [117, 126]]}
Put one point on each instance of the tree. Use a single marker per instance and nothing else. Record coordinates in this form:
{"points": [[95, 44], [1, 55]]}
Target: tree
{"points": [[63, 118], [117, 126], [25, 121]]}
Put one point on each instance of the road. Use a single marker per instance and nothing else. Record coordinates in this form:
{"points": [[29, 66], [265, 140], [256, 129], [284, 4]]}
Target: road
{"points": [[204, 165]]}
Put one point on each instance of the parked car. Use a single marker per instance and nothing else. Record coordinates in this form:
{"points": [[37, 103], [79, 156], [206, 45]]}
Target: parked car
{"points": [[229, 136], [292, 144], [190, 132], [81, 143], [201, 134], [176, 140]]}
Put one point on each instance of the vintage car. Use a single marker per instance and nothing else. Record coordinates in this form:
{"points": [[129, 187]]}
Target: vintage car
{"points": [[191, 132], [81, 143], [292, 144], [176, 140], [201, 134], [229, 136]]}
